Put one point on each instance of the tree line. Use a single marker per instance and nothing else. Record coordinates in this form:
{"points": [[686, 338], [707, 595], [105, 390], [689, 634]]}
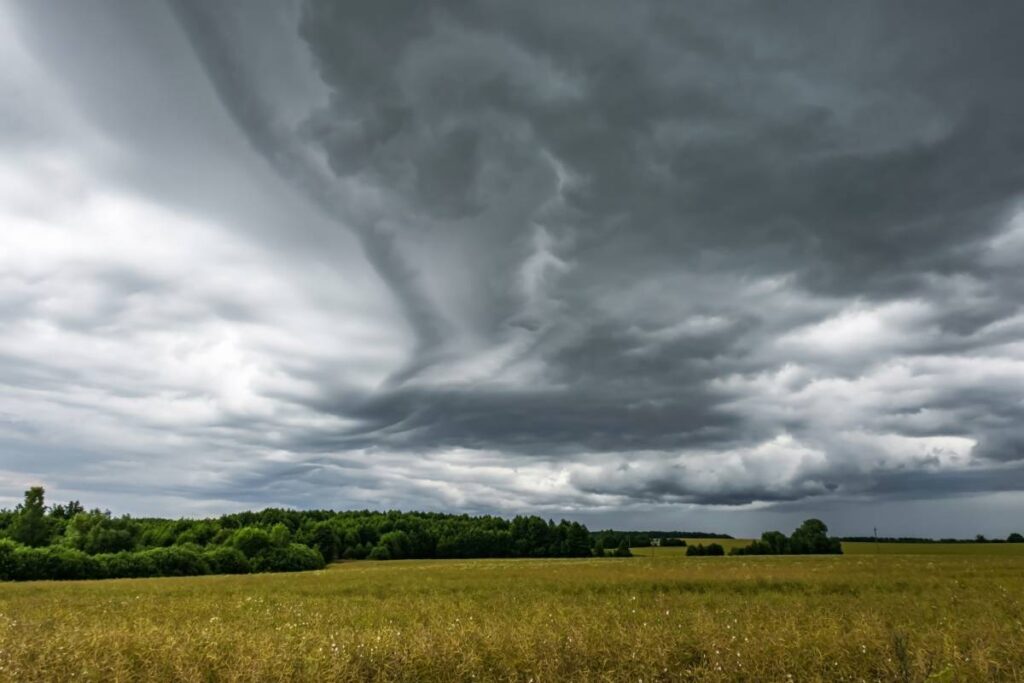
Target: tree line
{"points": [[69, 542], [610, 538], [810, 538], [1015, 537]]}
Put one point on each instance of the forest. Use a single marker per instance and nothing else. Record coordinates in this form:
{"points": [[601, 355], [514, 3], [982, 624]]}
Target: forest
{"points": [[66, 541]]}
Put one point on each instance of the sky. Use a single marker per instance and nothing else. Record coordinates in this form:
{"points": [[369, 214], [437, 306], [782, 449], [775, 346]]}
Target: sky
{"points": [[643, 265]]}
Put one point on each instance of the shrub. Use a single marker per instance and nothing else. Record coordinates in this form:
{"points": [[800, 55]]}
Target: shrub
{"points": [[178, 560], [380, 552], [356, 552], [293, 557], [226, 560], [623, 549], [710, 549], [127, 565], [53, 563], [8, 562]]}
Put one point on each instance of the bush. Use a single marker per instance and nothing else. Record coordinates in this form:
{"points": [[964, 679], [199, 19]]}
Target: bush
{"points": [[53, 563], [127, 565], [380, 552], [178, 560], [623, 549], [701, 550], [293, 557], [226, 560], [356, 552], [8, 562]]}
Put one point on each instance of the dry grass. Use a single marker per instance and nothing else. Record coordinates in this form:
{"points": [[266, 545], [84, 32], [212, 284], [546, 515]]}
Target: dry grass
{"points": [[886, 617], [859, 548]]}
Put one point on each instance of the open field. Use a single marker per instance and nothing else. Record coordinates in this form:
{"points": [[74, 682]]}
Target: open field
{"points": [[859, 548], [668, 551], [853, 617]]}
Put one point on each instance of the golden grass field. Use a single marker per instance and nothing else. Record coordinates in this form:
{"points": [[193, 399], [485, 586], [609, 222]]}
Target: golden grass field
{"points": [[859, 548], [902, 617]]}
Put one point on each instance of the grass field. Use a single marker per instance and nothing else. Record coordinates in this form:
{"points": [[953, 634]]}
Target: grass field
{"points": [[937, 617], [858, 548]]}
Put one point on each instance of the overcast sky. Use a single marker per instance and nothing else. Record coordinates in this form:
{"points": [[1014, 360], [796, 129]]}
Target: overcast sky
{"points": [[640, 264]]}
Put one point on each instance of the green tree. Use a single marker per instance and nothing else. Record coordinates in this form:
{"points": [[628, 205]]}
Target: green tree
{"points": [[577, 541], [97, 532], [226, 560], [623, 549], [30, 526], [380, 552], [251, 541], [66, 512], [776, 541], [397, 544], [8, 560], [324, 538], [280, 536], [811, 538], [1015, 538]]}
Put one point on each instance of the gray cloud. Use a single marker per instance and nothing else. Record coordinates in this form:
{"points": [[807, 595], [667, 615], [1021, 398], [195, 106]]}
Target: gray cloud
{"points": [[579, 257]]}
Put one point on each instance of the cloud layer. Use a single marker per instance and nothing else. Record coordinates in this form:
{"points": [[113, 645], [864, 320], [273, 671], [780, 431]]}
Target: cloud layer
{"points": [[579, 257]]}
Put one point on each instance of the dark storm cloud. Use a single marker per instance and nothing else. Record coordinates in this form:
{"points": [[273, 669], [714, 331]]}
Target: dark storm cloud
{"points": [[486, 255], [862, 154], [814, 141], [862, 151]]}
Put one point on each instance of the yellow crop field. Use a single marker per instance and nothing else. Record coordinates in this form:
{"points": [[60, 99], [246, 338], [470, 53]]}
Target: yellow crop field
{"points": [[861, 548], [852, 617], [657, 551], [963, 549]]}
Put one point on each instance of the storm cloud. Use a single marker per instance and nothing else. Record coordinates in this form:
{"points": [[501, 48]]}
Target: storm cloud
{"points": [[597, 259]]}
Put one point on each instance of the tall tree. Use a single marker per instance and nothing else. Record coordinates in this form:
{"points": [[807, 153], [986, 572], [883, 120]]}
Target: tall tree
{"points": [[30, 525]]}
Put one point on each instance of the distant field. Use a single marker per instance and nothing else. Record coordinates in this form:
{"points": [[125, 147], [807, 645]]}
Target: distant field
{"points": [[656, 551], [661, 618], [997, 549]]}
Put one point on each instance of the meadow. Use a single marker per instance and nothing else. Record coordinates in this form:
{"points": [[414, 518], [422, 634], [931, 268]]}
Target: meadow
{"points": [[925, 614], [862, 548]]}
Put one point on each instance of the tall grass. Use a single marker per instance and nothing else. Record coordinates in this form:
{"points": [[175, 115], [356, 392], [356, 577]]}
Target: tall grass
{"points": [[655, 618]]}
